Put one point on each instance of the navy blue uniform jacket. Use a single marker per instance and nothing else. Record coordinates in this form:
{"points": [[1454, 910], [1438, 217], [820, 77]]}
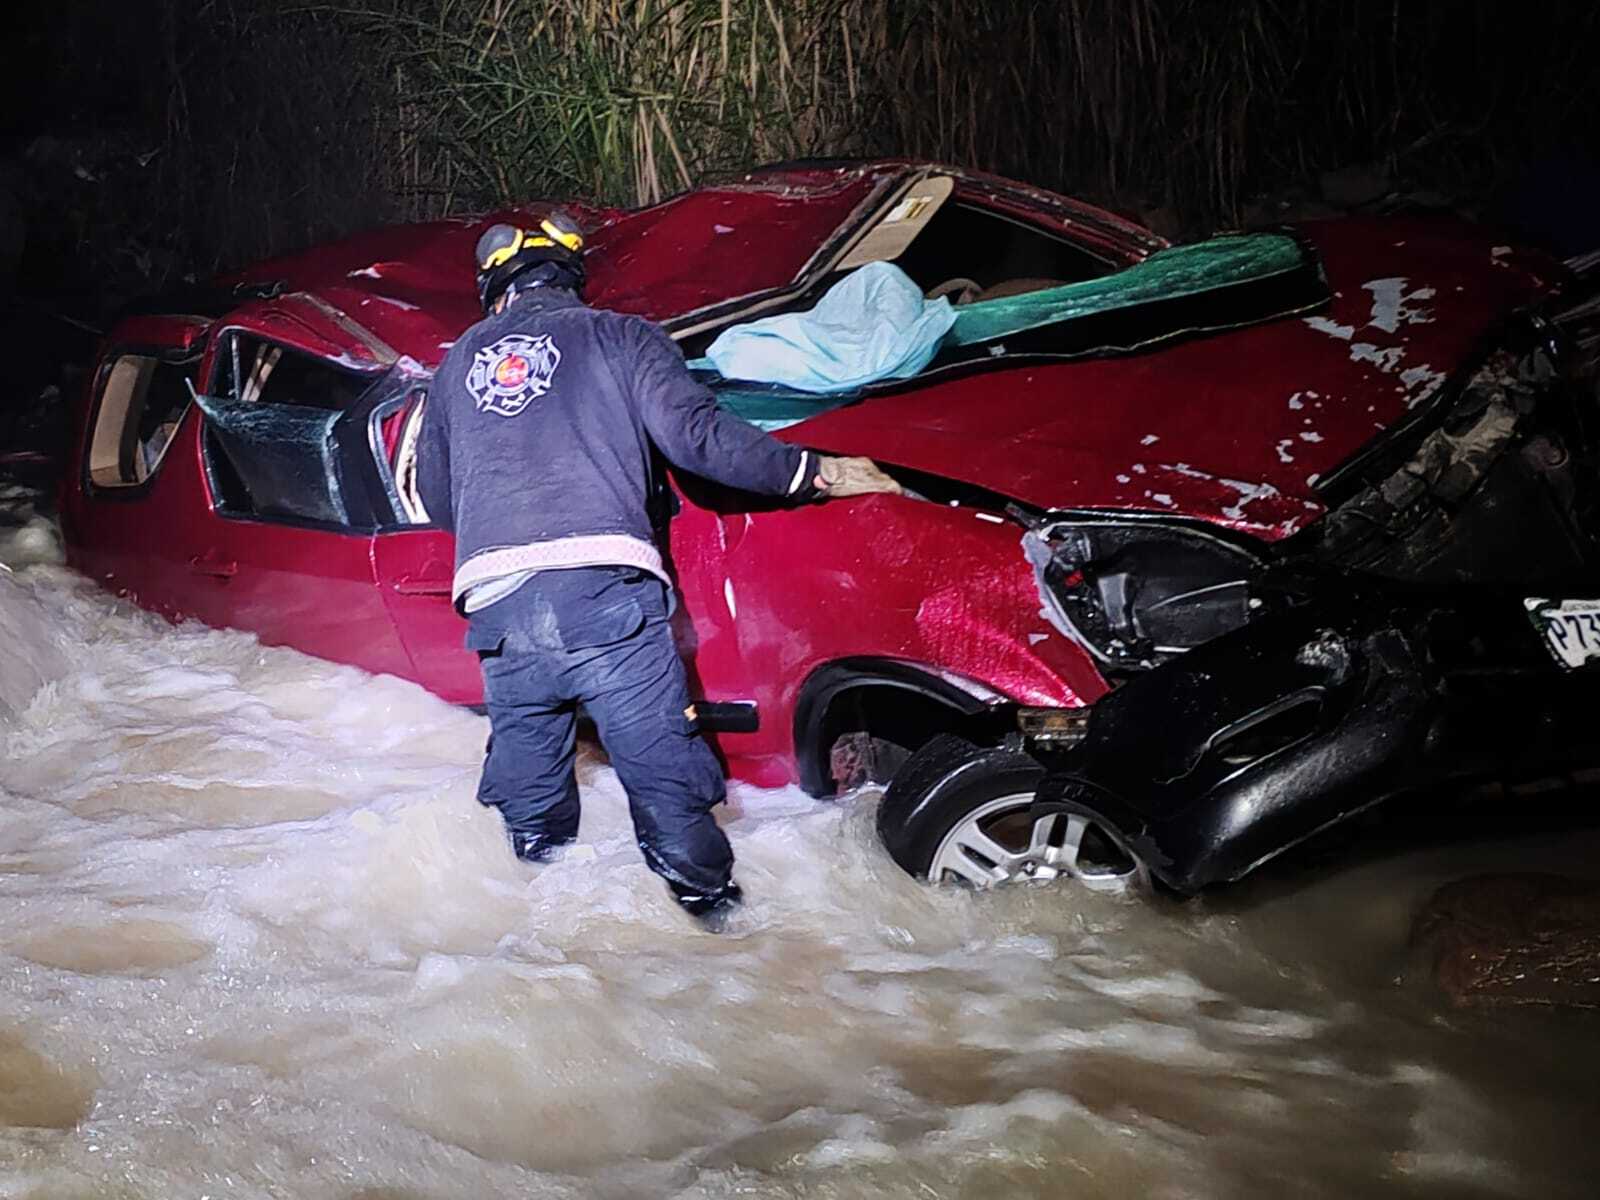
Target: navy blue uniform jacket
{"points": [[535, 442]]}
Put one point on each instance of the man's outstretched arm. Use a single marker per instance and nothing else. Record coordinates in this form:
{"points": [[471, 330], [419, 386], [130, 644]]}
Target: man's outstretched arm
{"points": [[682, 418]]}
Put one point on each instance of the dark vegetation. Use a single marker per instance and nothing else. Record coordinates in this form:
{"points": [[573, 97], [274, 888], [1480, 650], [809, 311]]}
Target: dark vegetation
{"points": [[147, 141]]}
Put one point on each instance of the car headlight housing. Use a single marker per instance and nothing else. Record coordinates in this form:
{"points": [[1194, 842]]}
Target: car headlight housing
{"points": [[1136, 593]]}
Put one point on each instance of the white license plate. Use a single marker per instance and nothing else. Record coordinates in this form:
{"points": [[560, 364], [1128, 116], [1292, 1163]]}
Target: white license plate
{"points": [[1571, 628]]}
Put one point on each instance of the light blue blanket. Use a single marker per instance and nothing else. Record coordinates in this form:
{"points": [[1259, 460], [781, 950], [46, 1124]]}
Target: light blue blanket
{"points": [[871, 325]]}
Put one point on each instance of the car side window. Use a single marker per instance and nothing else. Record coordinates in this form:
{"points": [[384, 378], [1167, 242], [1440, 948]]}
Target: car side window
{"points": [[993, 255], [400, 447], [253, 370], [142, 401], [271, 449]]}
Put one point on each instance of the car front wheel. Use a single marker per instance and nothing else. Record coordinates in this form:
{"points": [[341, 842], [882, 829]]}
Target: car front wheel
{"points": [[964, 814]]}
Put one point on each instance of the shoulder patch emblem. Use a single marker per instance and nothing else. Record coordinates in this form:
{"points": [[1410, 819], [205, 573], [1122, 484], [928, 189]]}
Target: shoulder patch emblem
{"points": [[508, 375]]}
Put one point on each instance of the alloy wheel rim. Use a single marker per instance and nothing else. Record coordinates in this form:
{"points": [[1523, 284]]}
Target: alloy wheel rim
{"points": [[997, 844]]}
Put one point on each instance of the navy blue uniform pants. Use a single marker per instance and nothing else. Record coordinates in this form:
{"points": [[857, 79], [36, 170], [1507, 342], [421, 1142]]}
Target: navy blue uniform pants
{"points": [[599, 637]]}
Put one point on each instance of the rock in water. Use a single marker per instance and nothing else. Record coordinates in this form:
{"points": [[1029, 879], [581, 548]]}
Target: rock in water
{"points": [[1515, 939]]}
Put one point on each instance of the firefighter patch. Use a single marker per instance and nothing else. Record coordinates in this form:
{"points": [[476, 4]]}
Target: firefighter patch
{"points": [[510, 374]]}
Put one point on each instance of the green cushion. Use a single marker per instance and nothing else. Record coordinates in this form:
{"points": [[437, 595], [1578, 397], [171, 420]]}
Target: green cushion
{"points": [[1165, 275]]}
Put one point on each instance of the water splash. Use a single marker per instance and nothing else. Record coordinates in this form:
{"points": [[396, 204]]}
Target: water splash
{"points": [[259, 940]]}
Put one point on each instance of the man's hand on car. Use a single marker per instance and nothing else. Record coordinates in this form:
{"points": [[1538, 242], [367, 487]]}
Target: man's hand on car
{"points": [[840, 477]]}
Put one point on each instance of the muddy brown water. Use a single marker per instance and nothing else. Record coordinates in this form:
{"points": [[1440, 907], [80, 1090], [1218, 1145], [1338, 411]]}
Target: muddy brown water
{"points": [[256, 939]]}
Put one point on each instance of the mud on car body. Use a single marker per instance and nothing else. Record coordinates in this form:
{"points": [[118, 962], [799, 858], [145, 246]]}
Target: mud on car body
{"points": [[1440, 626], [245, 454]]}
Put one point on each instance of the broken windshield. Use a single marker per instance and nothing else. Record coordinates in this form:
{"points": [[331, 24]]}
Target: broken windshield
{"points": [[780, 370]]}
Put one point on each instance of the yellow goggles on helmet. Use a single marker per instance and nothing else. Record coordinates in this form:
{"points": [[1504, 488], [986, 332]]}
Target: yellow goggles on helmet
{"points": [[549, 234]]}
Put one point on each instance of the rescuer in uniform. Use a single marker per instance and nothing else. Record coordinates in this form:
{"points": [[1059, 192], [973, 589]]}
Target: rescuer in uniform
{"points": [[536, 451]]}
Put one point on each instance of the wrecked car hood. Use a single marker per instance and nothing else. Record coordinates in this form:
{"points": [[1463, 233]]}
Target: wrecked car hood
{"points": [[1233, 428]]}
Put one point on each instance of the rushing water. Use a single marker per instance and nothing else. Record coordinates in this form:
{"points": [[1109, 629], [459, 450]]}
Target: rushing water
{"points": [[256, 939]]}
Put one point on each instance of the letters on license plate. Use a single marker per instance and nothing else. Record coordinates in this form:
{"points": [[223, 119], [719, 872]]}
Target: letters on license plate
{"points": [[1571, 629]]}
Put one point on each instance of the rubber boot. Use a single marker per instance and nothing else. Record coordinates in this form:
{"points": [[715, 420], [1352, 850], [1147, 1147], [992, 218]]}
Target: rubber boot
{"points": [[711, 909], [536, 847]]}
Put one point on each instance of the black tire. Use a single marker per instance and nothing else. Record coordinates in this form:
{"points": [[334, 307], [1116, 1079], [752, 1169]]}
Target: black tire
{"points": [[938, 787]]}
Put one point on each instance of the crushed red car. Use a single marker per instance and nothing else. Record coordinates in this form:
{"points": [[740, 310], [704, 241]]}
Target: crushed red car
{"points": [[245, 454]]}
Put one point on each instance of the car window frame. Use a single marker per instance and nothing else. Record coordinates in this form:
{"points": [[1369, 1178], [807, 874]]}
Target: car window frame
{"points": [[845, 236], [169, 354], [218, 347], [402, 494], [220, 340], [1000, 203]]}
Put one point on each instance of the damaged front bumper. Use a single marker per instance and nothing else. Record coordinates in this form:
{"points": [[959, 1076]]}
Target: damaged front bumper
{"points": [[1350, 694], [1396, 646], [1260, 694]]}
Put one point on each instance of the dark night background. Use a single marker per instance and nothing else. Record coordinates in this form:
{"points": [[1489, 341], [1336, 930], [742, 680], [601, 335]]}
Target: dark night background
{"points": [[257, 935], [148, 142]]}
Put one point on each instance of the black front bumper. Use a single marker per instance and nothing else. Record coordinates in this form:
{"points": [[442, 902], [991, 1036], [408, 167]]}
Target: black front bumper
{"points": [[1348, 695]]}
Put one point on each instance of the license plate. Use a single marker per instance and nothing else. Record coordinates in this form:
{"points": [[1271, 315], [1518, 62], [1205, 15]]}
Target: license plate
{"points": [[1571, 628]]}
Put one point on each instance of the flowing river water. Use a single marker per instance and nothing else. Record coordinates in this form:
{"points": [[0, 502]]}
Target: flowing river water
{"points": [[257, 939]]}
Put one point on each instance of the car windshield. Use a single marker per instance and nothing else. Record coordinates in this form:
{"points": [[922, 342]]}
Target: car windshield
{"points": [[876, 333], [947, 244]]}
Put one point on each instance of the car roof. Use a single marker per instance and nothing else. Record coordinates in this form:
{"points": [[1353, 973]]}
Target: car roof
{"points": [[412, 285]]}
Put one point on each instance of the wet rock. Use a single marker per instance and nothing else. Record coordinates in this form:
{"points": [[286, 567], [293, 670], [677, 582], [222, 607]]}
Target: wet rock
{"points": [[1499, 940], [1353, 186]]}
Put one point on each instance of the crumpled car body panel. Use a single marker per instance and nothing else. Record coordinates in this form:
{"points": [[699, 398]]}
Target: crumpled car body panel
{"points": [[1228, 430]]}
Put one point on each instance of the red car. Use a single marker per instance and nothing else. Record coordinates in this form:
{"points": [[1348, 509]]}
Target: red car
{"points": [[1187, 411]]}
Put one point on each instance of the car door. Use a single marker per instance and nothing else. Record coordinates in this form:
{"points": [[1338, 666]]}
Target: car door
{"points": [[285, 547], [132, 503], [414, 562], [414, 567]]}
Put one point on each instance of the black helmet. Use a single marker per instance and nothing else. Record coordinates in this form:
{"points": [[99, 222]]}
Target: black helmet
{"points": [[506, 252]]}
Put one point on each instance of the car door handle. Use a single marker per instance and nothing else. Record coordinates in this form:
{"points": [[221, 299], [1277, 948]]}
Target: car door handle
{"points": [[213, 566]]}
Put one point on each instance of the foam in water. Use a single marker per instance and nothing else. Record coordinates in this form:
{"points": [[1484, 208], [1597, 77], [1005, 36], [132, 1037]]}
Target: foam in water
{"points": [[257, 939]]}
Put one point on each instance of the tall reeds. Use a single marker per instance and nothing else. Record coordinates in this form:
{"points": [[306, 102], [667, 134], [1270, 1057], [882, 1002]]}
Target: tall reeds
{"points": [[1191, 105], [239, 128], [616, 101]]}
